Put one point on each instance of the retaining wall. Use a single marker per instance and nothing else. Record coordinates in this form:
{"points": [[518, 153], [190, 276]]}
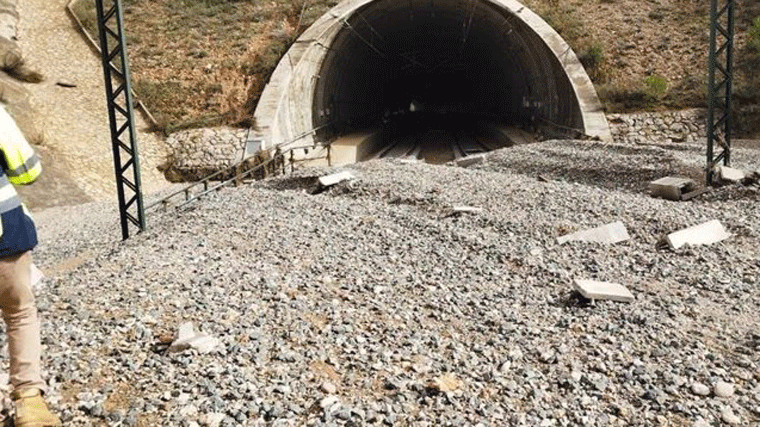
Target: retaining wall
{"points": [[197, 153], [669, 126]]}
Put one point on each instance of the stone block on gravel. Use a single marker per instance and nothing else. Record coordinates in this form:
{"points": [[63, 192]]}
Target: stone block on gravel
{"points": [[471, 160], [466, 209], [36, 277], [671, 188], [592, 289], [702, 234], [336, 178], [187, 338], [609, 234], [731, 175]]}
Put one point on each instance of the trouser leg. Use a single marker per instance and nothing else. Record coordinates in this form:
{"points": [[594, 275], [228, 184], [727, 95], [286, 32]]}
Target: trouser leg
{"points": [[20, 316]]}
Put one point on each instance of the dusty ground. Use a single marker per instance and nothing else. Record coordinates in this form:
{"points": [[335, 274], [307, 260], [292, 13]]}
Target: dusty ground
{"points": [[77, 150]]}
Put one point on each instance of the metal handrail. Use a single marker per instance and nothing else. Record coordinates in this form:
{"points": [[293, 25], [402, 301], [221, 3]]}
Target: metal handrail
{"points": [[275, 156]]}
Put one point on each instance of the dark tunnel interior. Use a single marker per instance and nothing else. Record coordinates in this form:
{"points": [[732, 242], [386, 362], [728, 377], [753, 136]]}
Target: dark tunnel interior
{"points": [[446, 60]]}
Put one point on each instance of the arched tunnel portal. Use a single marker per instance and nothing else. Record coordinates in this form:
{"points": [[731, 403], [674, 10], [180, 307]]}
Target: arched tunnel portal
{"points": [[368, 66]]}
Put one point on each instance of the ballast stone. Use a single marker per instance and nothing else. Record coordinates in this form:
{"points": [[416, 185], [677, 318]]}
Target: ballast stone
{"points": [[592, 289], [723, 389], [702, 234], [609, 234]]}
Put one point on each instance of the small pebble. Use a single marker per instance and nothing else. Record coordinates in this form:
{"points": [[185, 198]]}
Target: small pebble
{"points": [[728, 416], [329, 388], [700, 389]]}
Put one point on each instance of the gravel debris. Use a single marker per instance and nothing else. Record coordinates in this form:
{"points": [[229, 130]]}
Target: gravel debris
{"points": [[414, 316]]}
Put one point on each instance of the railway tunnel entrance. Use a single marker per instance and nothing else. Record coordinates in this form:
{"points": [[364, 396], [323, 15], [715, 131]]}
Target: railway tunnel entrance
{"points": [[372, 75]]}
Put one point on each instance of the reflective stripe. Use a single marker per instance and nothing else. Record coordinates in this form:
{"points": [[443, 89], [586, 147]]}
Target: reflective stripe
{"points": [[22, 163], [8, 198], [26, 167], [29, 177]]}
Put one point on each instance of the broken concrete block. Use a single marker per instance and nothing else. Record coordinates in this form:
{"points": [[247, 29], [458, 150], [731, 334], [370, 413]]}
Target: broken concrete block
{"points": [[36, 277], [471, 160], [336, 178], [609, 234], [728, 174], [672, 188], [187, 338], [592, 289], [702, 234], [466, 209]]}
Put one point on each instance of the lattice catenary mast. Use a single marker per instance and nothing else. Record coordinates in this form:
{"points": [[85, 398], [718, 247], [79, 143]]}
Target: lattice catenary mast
{"points": [[720, 79], [113, 52]]}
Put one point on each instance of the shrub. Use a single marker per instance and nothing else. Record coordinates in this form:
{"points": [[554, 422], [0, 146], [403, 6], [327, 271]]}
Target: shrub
{"points": [[592, 56], [656, 86], [753, 39]]}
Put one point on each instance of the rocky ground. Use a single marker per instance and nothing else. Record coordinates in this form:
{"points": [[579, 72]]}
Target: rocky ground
{"points": [[372, 304]]}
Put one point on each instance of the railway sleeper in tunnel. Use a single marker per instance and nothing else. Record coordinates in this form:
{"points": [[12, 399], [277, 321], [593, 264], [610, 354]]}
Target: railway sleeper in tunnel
{"points": [[435, 80]]}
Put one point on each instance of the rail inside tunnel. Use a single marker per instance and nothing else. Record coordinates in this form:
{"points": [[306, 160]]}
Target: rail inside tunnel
{"points": [[407, 69]]}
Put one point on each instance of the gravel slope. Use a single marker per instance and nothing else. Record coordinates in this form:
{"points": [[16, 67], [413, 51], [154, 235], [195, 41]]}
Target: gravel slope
{"points": [[370, 304]]}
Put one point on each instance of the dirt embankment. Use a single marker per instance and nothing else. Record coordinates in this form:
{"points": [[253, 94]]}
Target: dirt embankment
{"points": [[69, 110]]}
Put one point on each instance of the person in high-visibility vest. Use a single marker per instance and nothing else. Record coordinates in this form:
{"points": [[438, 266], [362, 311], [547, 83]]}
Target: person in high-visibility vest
{"points": [[20, 166]]}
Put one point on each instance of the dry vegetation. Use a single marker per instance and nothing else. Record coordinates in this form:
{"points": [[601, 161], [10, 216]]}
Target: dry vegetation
{"points": [[205, 62]]}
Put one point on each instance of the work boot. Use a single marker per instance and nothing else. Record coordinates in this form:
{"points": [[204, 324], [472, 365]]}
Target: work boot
{"points": [[31, 410]]}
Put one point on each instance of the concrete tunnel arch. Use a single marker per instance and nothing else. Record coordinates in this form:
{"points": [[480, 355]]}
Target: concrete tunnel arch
{"points": [[364, 58]]}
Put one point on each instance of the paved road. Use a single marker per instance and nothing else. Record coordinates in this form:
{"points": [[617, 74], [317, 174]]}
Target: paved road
{"points": [[77, 151]]}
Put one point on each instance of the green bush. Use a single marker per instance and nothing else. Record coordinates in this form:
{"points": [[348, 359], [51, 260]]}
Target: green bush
{"points": [[753, 40], [656, 86], [593, 56]]}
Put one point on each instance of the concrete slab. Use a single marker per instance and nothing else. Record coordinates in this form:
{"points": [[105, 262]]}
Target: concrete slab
{"points": [[702, 234], [476, 159], [186, 338], [466, 209], [608, 233], [671, 187], [336, 178], [353, 148], [728, 174], [252, 146], [593, 289]]}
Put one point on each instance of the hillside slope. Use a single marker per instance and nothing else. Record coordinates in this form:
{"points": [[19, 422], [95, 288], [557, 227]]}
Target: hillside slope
{"points": [[207, 62]]}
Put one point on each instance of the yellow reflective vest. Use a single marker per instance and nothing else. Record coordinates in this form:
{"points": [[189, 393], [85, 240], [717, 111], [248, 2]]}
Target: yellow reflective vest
{"points": [[20, 164]]}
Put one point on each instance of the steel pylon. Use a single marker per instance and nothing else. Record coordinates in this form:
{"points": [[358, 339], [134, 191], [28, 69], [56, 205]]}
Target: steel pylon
{"points": [[720, 79], [113, 52]]}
